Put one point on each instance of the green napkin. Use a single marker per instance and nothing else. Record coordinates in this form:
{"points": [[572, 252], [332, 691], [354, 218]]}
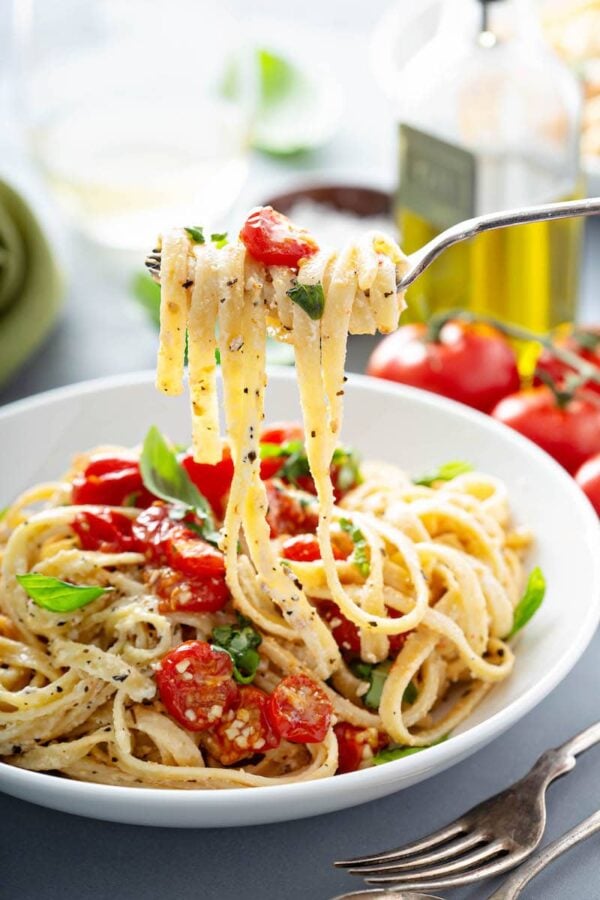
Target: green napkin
{"points": [[31, 287]]}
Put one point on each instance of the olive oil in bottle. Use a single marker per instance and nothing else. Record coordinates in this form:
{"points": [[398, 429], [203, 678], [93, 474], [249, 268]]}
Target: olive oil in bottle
{"points": [[489, 119]]}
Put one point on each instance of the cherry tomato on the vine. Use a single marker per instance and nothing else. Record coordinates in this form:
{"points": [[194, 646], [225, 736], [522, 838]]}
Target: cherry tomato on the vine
{"points": [[472, 363], [582, 340], [568, 431]]}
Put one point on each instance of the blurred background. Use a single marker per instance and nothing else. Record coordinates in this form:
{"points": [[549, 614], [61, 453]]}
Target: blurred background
{"points": [[121, 119]]}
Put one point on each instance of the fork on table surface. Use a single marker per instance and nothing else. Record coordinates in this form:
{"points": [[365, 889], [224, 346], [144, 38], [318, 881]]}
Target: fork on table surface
{"points": [[516, 882], [489, 839]]}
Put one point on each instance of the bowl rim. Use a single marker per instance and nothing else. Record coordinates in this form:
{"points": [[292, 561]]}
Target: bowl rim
{"points": [[439, 756]]}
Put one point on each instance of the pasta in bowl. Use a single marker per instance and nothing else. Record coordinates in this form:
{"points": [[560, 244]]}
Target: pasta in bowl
{"points": [[377, 418]]}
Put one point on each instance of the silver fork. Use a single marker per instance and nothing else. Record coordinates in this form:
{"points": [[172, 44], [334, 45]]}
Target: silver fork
{"points": [[462, 231], [515, 883], [487, 840]]}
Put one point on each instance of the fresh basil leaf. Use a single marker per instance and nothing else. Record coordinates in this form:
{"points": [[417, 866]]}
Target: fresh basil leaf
{"points": [[531, 600], [58, 596], [165, 477], [378, 678], [348, 468], [196, 232], [392, 753], [219, 240], [309, 297], [446, 472], [360, 556], [240, 642]]}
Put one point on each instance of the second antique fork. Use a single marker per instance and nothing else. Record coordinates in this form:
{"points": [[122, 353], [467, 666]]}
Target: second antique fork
{"points": [[489, 839]]}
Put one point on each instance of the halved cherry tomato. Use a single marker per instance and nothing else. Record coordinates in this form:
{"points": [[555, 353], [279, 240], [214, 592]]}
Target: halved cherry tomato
{"points": [[356, 745], [213, 481], [272, 239], [345, 633], [583, 340], [300, 710], [472, 363], [588, 479], [106, 530], [305, 547], [111, 481], [196, 685], [282, 433], [153, 530], [570, 432], [243, 731], [192, 556], [286, 514], [179, 593]]}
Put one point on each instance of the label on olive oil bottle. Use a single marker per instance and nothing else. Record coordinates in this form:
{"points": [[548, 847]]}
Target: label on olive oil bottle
{"points": [[437, 179], [525, 274]]}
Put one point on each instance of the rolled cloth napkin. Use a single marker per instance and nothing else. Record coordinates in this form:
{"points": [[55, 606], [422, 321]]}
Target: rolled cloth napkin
{"points": [[31, 287]]}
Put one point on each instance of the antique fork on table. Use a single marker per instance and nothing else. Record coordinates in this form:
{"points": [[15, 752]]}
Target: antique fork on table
{"points": [[421, 259], [515, 883], [487, 840]]}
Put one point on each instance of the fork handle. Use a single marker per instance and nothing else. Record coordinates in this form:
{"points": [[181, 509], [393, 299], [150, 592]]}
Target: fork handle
{"points": [[513, 886]]}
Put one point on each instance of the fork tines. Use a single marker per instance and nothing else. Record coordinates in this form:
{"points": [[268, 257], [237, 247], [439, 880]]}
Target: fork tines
{"points": [[454, 851], [153, 264]]}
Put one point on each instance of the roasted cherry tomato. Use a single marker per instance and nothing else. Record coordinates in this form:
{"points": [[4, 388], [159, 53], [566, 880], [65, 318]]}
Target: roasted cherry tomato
{"points": [[179, 593], [472, 363], [213, 481], [356, 746], [243, 731], [582, 340], [272, 239], [111, 481], [300, 710], [305, 547], [196, 685], [106, 530], [570, 432], [286, 514], [192, 556], [588, 479], [345, 632]]}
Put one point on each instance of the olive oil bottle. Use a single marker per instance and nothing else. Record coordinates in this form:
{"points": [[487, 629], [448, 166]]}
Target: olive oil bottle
{"points": [[489, 120]]}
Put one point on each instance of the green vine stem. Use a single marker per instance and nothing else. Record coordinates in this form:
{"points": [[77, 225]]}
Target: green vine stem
{"points": [[588, 371]]}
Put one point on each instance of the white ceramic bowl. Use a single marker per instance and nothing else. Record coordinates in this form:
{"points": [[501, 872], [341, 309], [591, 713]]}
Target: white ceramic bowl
{"points": [[414, 429]]}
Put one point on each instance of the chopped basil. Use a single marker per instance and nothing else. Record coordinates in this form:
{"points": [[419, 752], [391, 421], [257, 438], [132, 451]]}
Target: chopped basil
{"points": [[240, 642], [196, 232], [360, 557], [376, 676], [446, 472], [309, 297], [165, 477], [531, 600], [348, 468], [218, 356], [219, 240], [59, 596], [392, 753]]}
